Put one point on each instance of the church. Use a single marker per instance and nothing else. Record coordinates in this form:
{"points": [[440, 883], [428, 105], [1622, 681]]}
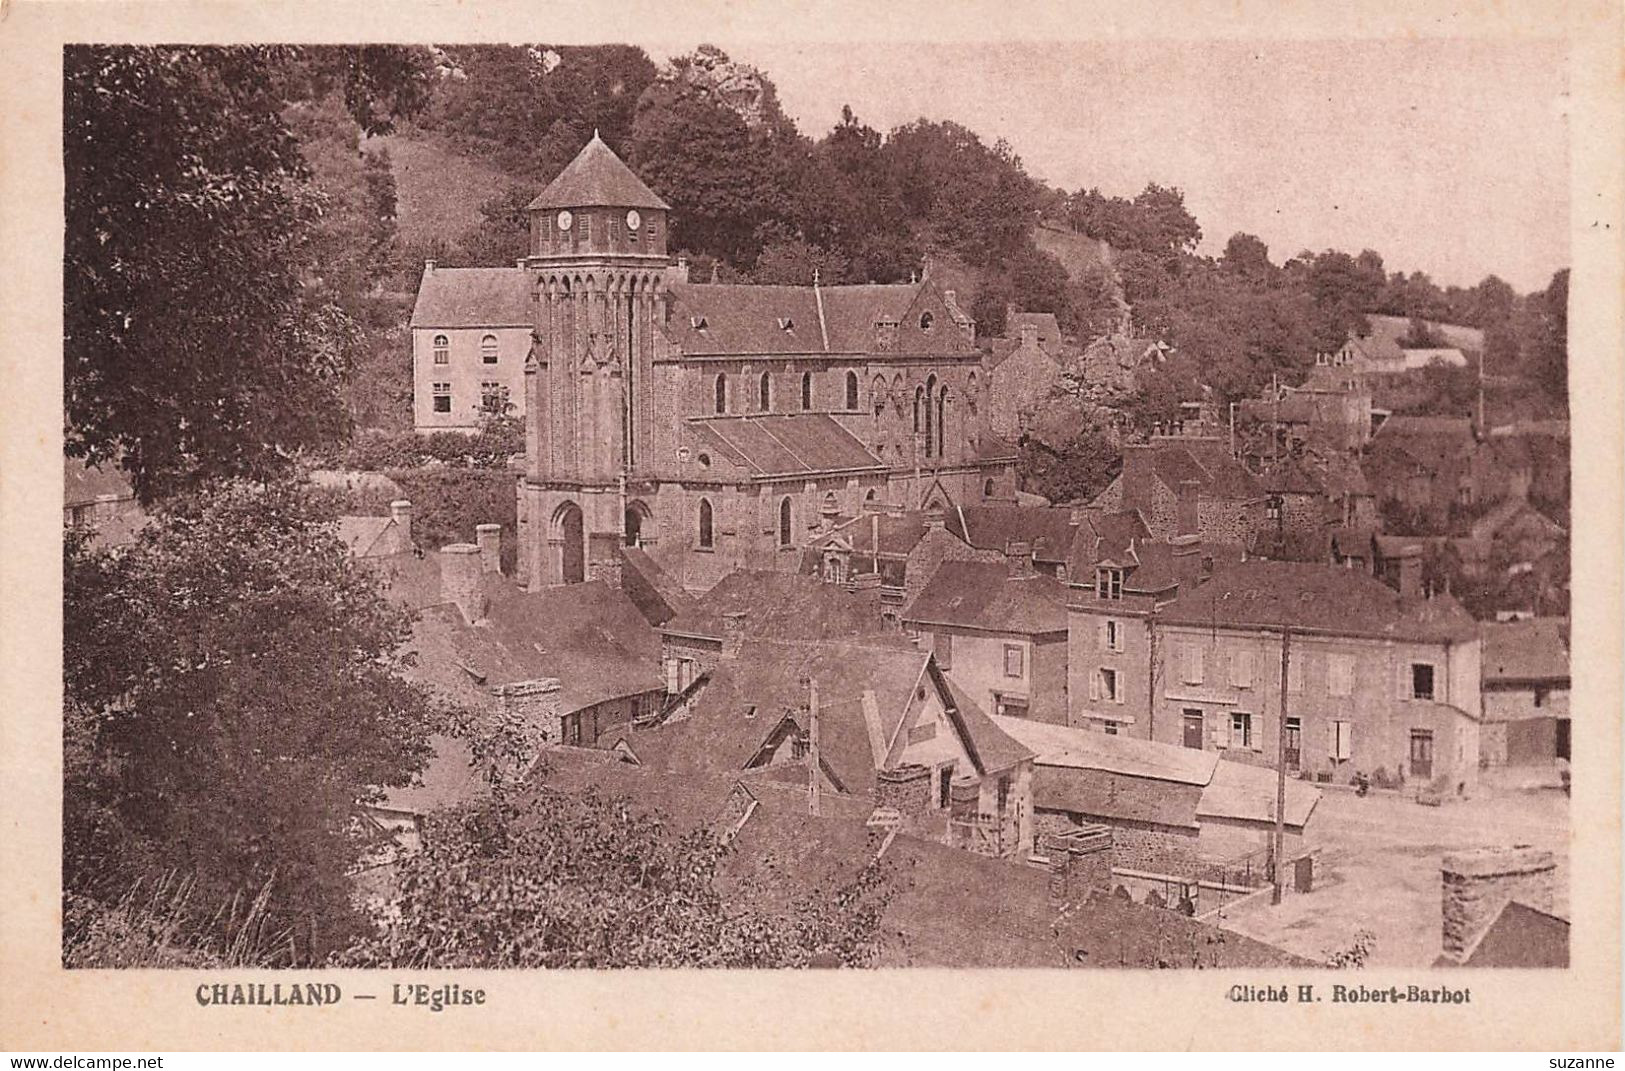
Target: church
{"points": [[721, 426]]}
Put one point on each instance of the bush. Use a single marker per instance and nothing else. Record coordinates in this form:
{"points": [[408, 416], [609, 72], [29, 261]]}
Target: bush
{"points": [[449, 500]]}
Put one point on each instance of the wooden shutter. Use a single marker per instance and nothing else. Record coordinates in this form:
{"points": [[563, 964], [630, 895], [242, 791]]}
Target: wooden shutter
{"points": [[1094, 683], [1241, 668]]}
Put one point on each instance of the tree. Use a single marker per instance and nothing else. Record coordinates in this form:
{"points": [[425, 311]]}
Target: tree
{"points": [[553, 880], [795, 262], [1248, 258], [193, 346], [231, 694], [1075, 471]]}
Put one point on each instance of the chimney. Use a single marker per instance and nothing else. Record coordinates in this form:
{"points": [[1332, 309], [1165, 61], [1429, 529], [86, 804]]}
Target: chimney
{"points": [[428, 266], [460, 580], [1018, 555], [535, 705], [1477, 884], [488, 537], [948, 296], [1079, 860], [520, 263], [733, 633], [400, 511], [1029, 335], [1410, 571], [1188, 511], [604, 561], [905, 789], [682, 270], [1139, 464], [1189, 563]]}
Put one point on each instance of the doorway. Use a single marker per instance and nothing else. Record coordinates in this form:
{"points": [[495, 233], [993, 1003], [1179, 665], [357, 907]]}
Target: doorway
{"points": [[1421, 754], [1193, 729]]}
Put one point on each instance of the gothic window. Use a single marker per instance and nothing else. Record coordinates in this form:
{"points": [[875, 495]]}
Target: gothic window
{"points": [[851, 390], [918, 393], [442, 349], [722, 393], [930, 393], [707, 534], [488, 349], [806, 390], [925, 321], [942, 418], [764, 399], [784, 521]]}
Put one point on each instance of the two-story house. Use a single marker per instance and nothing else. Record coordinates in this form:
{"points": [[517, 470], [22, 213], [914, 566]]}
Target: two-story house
{"points": [[999, 631]]}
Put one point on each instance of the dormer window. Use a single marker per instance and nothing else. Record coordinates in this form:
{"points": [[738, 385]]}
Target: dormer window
{"points": [[786, 324], [1109, 583], [697, 323]]}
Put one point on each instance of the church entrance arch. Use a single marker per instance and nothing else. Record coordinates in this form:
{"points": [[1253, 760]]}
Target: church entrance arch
{"points": [[637, 517], [568, 544]]}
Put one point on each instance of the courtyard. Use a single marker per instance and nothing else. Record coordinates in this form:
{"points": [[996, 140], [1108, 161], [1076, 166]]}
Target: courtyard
{"points": [[1378, 870]]}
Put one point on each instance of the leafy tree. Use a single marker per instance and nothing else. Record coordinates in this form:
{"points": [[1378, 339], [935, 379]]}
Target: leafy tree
{"points": [[794, 261], [1247, 258], [230, 695], [187, 256], [1075, 471], [552, 880]]}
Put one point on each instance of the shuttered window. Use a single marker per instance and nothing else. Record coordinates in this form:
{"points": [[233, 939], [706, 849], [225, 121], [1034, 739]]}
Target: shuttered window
{"points": [[1339, 675]]}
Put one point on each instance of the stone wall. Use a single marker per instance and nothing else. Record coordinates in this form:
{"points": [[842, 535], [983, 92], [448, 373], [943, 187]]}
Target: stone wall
{"points": [[1477, 884], [1135, 845]]}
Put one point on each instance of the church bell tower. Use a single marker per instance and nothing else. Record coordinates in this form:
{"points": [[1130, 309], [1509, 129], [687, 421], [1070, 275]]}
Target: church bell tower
{"points": [[596, 263]]}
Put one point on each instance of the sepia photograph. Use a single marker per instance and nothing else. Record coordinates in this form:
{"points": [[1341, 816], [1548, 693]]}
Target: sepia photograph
{"points": [[728, 501]]}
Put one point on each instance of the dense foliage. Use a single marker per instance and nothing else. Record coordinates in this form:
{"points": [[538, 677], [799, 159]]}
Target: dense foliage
{"points": [[230, 695], [552, 880], [205, 261]]}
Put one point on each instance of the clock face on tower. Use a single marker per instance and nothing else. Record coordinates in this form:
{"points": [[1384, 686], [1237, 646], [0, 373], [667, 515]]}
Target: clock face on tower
{"points": [[633, 220], [565, 219]]}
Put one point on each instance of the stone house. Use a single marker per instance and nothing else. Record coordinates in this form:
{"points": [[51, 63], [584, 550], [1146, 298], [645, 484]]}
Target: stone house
{"points": [[470, 337], [1376, 681], [100, 502], [894, 550], [1023, 370], [1526, 692], [1189, 485], [999, 631], [1171, 810]]}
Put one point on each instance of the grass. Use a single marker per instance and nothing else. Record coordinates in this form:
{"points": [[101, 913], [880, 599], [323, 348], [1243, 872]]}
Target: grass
{"points": [[438, 189]]}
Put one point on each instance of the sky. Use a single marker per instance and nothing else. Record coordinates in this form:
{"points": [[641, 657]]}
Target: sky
{"points": [[1448, 156]]}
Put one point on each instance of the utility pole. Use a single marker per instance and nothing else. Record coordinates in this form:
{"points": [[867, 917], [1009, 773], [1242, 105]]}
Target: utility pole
{"points": [[812, 747], [1280, 771]]}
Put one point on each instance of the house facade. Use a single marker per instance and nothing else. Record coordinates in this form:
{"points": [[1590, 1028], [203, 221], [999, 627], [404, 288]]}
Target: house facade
{"points": [[471, 333], [1023, 370]]}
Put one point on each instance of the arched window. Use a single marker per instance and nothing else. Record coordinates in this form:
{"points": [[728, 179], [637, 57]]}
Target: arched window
{"points": [[925, 321], [869, 495], [918, 393], [942, 419], [930, 392], [722, 393], [987, 488], [878, 399], [784, 521], [488, 349], [764, 394], [851, 390], [442, 349], [806, 390], [707, 535]]}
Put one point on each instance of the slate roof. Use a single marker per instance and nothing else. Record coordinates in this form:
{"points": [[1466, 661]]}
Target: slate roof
{"points": [[1247, 793], [1061, 745], [1520, 936], [447, 780], [731, 319], [473, 297], [360, 534], [984, 595], [1220, 474], [1104, 794], [1048, 529], [1459, 429], [597, 178], [1320, 597], [899, 532], [784, 444], [1536, 649], [783, 606], [655, 592], [749, 696], [84, 484], [589, 636], [1498, 518]]}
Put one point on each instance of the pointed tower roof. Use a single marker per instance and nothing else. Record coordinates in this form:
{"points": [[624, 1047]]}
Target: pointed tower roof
{"points": [[597, 178]]}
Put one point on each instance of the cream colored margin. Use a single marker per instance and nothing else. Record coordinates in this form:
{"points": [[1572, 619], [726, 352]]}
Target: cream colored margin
{"points": [[43, 1008]]}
